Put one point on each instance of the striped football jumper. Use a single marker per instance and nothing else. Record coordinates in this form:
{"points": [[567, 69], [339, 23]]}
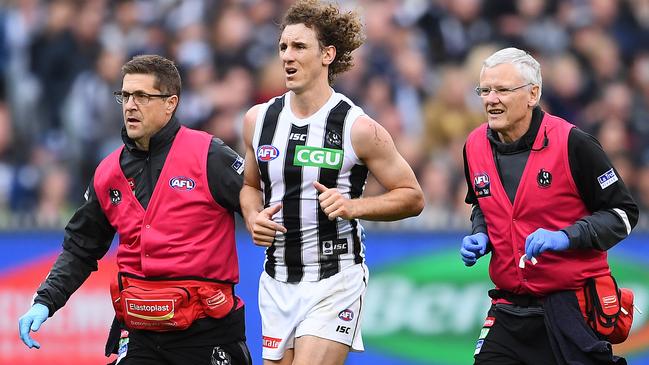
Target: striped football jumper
{"points": [[291, 154]]}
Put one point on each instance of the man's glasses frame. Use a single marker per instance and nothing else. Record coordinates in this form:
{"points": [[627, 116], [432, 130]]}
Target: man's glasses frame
{"points": [[140, 98], [485, 91]]}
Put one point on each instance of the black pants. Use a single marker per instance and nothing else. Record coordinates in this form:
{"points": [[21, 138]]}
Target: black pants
{"points": [[515, 339], [207, 341], [142, 353]]}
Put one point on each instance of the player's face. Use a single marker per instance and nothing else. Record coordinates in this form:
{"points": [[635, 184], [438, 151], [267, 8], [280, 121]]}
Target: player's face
{"points": [[302, 57], [143, 120], [507, 111]]}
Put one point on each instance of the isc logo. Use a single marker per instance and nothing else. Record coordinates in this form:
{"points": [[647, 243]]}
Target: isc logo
{"points": [[297, 137], [182, 183], [343, 329], [267, 153]]}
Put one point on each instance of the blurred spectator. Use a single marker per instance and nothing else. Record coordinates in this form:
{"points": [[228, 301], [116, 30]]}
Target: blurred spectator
{"points": [[90, 122], [231, 34], [538, 29], [448, 116], [414, 75], [53, 209], [66, 46], [122, 32], [565, 88], [6, 169], [453, 28]]}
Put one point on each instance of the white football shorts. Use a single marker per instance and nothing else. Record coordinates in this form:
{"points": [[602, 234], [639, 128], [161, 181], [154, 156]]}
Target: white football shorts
{"points": [[330, 308]]}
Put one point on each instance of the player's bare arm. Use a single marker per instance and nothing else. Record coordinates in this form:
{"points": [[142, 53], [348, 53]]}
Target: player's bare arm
{"points": [[374, 146], [258, 220]]}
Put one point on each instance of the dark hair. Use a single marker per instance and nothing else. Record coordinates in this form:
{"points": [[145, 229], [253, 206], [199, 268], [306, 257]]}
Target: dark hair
{"points": [[344, 31], [164, 70]]}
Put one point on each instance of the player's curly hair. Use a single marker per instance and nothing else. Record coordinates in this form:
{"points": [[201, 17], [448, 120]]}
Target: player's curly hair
{"points": [[333, 28]]}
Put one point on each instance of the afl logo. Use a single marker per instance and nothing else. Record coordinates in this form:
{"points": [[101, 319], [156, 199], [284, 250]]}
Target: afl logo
{"points": [[182, 183], [481, 185], [267, 153], [346, 315]]}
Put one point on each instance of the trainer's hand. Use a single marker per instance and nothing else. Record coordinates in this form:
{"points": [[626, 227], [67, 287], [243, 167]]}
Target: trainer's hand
{"points": [[264, 228], [333, 203], [32, 320], [473, 247], [543, 240]]}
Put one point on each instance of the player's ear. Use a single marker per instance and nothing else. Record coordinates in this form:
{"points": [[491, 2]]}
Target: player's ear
{"points": [[328, 55]]}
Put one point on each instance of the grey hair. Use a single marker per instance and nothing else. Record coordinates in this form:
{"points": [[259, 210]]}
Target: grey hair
{"points": [[529, 68]]}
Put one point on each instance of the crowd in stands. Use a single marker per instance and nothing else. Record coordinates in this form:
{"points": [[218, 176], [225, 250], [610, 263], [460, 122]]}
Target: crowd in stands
{"points": [[60, 62]]}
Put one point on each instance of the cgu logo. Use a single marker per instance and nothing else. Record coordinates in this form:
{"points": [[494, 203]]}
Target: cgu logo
{"points": [[327, 158], [182, 183], [267, 153]]}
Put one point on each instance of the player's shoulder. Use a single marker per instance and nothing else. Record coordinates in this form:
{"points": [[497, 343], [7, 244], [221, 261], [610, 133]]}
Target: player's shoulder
{"points": [[256, 109], [368, 136]]}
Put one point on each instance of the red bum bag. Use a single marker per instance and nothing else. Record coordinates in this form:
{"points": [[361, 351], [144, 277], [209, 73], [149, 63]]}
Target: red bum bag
{"points": [[169, 304], [607, 309]]}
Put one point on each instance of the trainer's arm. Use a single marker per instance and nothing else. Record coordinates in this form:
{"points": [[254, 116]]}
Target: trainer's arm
{"points": [[87, 238], [404, 198]]}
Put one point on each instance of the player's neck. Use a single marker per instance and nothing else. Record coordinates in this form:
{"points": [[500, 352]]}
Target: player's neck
{"points": [[305, 103]]}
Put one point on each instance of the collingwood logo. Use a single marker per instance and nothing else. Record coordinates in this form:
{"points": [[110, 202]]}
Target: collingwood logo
{"points": [[544, 178], [115, 196], [333, 138]]}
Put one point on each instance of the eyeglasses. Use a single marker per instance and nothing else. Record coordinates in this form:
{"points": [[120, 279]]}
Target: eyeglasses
{"points": [[485, 91], [140, 98]]}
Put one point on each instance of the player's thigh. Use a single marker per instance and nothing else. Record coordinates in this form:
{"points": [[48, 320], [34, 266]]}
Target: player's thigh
{"points": [[286, 360], [311, 350], [336, 316]]}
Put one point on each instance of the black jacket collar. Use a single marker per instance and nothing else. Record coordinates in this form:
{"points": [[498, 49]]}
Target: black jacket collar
{"points": [[524, 143], [160, 139]]}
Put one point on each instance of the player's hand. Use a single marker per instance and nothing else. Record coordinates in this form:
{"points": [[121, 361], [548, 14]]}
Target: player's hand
{"points": [[32, 320], [264, 228], [333, 203], [543, 240], [473, 247]]}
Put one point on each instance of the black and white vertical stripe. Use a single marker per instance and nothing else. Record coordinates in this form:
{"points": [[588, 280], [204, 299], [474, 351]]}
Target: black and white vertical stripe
{"points": [[298, 255], [328, 229], [292, 207], [270, 124]]}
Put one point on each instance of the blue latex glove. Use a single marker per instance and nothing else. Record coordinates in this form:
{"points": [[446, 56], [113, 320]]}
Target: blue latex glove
{"points": [[543, 240], [473, 247], [32, 320]]}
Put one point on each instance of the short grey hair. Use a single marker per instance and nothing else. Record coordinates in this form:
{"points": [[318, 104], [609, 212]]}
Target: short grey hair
{"points": [[528, 67]]}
